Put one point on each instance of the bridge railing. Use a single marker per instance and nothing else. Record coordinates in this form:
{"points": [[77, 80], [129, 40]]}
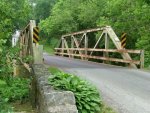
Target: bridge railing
{"points": [[77, 45], [85, 56], [28, 48]]}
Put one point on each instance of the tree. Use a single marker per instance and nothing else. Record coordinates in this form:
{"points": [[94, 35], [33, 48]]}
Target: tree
{"points": [[130, 16], [43, 9], [14, 15]]}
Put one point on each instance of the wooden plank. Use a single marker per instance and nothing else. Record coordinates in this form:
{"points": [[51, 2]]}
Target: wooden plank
{"points": [[104, 58], [105, 50]]}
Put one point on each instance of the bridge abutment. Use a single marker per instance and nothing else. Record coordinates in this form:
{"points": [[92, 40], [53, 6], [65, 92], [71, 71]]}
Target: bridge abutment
{"points": [[45, 98]]}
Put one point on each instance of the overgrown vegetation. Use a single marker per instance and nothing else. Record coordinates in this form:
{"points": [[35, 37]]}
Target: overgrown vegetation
{"points": [[16, 90], [49, 45], [13, 15]]}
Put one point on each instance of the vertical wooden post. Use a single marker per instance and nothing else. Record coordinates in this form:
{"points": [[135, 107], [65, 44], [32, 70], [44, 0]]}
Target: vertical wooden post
{"points": [[62, 46], [72, 46], [106, 54], [86, 46], [142, 59]]}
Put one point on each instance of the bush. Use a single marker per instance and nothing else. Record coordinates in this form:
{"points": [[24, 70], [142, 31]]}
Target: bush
{"points": [[4, 107], [87, 96], [17, 89]]}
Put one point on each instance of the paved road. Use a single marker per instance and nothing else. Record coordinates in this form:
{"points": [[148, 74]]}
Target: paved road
{"points": [[127, 90]]}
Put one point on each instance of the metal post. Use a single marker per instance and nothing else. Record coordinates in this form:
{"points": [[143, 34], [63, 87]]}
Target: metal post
{"points": [[32, 24], [62, 46], [86, 46], [72, 46], [142, 59], [106, 54]]}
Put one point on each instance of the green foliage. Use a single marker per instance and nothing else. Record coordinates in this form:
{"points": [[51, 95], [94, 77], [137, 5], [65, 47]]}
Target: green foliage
{"points": [[17, 89], [87, 96], [14, 15], [6, 61], [53, 70], [4, 106], [130, 16], [42, 8]]}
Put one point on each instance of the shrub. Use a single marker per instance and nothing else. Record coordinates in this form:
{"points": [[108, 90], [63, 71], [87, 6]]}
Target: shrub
{"points": [[18, 89], [4, 107], [87, 96]]}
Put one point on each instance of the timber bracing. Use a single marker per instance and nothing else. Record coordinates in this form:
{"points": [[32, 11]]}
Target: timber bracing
{"points": [[77, 45]]}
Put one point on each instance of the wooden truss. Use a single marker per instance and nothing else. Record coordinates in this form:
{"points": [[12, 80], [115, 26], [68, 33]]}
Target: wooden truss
{"points": [[76, 44]]}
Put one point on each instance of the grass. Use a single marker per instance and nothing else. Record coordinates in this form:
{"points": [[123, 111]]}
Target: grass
{"points": [[105, 108], [47, 48], [18, 106], [53, 70], [22, 107]]}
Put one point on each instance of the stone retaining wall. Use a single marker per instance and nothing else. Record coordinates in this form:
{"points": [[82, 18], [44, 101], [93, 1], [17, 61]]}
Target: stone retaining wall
{"points": [[45, 98]]}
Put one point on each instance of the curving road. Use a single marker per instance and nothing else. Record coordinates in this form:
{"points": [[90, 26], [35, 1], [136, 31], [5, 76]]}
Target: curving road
{"points": [[127, 90]]}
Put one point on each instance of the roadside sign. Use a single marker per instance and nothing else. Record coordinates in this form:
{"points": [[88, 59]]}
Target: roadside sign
{"points": [[123, 40], [36, 35]]}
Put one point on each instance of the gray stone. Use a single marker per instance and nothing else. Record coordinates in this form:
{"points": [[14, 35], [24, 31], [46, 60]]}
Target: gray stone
{"points": [[45, 98]]}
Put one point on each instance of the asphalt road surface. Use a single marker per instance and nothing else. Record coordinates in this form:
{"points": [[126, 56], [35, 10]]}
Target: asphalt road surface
{"points": [[126, 90]]}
